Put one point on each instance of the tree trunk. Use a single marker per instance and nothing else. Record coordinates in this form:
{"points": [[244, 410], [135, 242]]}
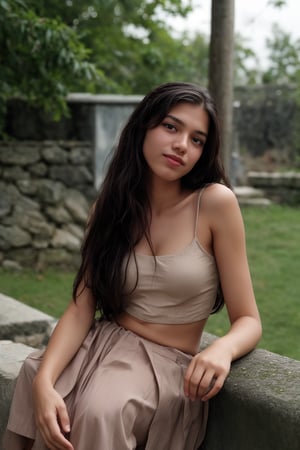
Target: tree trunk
{"points": [[221, 71]]}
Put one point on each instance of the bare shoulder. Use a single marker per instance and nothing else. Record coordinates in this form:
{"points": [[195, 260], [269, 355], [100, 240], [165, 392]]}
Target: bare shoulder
{"points": [[219, 197]]}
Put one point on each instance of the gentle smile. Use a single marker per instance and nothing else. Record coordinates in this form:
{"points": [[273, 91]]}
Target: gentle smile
{"points": [[174, 160]]}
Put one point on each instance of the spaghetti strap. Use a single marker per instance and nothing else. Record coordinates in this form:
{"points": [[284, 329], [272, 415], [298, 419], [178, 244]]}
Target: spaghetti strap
{"points": [[198, 207]]}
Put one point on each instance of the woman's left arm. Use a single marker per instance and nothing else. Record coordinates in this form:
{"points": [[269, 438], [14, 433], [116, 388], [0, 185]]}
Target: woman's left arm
{"points": [[208, 370]]}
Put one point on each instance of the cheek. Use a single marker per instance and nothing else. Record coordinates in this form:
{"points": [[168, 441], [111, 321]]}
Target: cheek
{"points": [[196, 155], [152, 143]]}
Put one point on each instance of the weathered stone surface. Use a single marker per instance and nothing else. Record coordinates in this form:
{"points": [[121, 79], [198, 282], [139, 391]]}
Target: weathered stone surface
{"points": [[58, 257], [259, 406], [20, 216], [80, 155], [36, 223], [26, 204], [54, 155], [10, 190], [21, 155], [39, 243], [64, 239], [58, 214], [71, 176], [36, 340], [44, 202], [11, 266], [11, 357], [39, 169], [14, 237], [27, 186], [25, 256], [5, 204], [50, 191], [75, 230], [77, 206], [282, 187], [14, 173], [18, 319]]}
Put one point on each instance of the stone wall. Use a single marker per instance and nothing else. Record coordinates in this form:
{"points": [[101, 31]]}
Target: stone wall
{"points": [[280, 187], [46, 191]]}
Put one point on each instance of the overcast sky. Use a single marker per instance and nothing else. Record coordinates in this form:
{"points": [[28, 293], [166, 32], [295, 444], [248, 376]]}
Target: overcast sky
{"points": [[253, 20]]}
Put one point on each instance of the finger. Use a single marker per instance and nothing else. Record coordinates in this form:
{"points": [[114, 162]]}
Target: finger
{"points": [[53, 436], [63, 419], [215, 388], [193, 381], [206, 383], [60, 442]]}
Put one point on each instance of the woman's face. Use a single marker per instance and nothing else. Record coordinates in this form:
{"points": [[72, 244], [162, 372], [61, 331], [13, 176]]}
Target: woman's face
{"points": [[173, 147]]}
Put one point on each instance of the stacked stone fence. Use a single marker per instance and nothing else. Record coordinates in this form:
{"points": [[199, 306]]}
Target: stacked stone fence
{"points": [[46, 191], [280, 187]]}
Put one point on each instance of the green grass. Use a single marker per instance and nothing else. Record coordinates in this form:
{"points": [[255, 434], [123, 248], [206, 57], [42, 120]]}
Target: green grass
{"points": [[50, 291], [273, 242]]}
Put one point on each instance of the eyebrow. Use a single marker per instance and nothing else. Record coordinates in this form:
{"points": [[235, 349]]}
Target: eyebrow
{"points": [[182, 123]]}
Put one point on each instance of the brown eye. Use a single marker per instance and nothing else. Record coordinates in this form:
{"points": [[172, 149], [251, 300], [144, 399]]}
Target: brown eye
{"points": [[169, 126], [199, 141]]}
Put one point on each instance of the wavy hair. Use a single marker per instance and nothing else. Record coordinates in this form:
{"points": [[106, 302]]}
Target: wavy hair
{"points": [[121, 212]]}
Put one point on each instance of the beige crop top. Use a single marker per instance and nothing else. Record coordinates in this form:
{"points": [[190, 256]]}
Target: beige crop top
{"points": [[178, 288]]}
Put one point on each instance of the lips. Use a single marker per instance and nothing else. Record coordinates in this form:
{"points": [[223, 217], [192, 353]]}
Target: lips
{"points": [[175, 159]]}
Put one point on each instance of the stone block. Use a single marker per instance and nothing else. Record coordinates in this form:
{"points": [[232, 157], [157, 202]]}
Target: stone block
{"points": [[12, 356], [18, 319]]}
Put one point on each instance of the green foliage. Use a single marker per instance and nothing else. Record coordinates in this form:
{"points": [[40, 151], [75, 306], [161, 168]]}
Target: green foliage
{"points": [[277, 3], [284, 68], [284, 58], [41, 59], [52, 47], [246, 63], [127, 39]]}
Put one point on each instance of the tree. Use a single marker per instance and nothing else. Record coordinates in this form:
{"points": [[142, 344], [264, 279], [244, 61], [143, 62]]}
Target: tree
{"points": [[221, 70], [41, 59], [52, 47], [126, 38], [245, 63], [284, 58]]}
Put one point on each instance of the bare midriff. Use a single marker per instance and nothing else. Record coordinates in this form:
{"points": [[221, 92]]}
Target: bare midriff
{"points": [[185, 337]]}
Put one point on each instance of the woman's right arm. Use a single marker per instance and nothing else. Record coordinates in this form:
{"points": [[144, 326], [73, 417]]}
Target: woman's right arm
{"points": [[50, 410]]}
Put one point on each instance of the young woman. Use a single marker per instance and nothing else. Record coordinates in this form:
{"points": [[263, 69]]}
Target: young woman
{"points": [[164, 235]]}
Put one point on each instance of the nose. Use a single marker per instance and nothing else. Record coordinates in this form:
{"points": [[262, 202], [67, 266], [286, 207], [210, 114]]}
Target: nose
{"points": [[180, 143]]}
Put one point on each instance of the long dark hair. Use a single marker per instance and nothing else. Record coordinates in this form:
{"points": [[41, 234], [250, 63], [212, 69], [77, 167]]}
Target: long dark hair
{"points": [[121, 212]]}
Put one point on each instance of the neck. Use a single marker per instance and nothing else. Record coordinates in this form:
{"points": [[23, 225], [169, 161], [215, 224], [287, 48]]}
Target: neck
{"points": [[164, 195]]}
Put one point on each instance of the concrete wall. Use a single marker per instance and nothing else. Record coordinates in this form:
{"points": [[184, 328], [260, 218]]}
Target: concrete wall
{"points": [[258, 408]]}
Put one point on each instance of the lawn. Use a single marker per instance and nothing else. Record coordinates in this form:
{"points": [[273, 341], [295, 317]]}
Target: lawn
{"points": [[273, 242]]}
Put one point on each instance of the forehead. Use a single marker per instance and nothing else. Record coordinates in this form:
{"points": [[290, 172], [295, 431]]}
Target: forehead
{"points": [[191, 115]]}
